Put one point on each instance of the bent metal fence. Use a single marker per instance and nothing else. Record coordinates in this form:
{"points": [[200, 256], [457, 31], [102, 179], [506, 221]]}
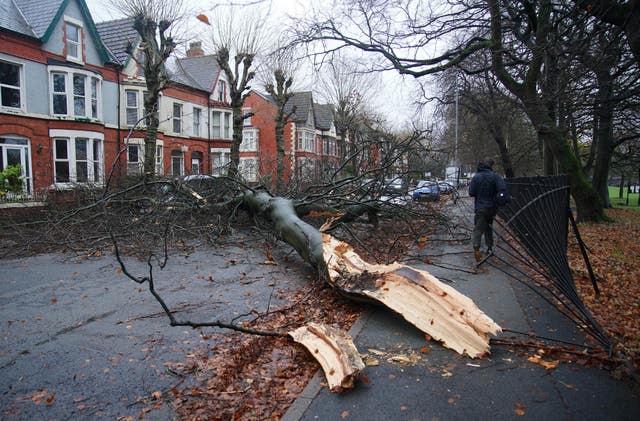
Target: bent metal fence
{"points": [[533, 230]]}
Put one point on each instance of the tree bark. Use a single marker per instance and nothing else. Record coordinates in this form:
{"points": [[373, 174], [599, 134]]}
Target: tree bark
{"points": [[431, 306]]}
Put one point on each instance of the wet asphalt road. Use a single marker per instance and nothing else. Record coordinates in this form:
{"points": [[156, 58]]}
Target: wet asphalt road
{"points": [[78, 340]]}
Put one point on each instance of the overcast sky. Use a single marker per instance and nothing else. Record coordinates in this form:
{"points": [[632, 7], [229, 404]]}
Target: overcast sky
{"points": [[393, 96]]}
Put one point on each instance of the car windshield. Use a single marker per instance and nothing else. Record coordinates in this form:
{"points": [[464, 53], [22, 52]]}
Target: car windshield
{"points": [[425, 183]]}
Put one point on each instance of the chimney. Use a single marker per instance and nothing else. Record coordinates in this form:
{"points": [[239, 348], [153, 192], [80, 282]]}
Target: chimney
{"points": [[195, 49]]}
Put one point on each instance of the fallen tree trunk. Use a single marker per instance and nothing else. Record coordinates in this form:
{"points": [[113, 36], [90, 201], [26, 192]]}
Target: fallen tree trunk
{"points": [[433, 307], [335, 352]]}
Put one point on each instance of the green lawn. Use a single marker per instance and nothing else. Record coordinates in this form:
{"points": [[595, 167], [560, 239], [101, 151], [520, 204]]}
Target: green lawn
{"points": [[621, 203]]}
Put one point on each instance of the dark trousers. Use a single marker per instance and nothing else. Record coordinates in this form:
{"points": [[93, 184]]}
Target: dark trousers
{"points": [[482, 225]]}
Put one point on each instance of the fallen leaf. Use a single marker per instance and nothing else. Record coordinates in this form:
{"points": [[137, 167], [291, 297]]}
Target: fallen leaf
{"points": [[518, 412], [156, 395], [54, 300], [203, 18], [344, 414], [375, 351], [372, 362], [404, 408], [425, 349], [549, 365]]}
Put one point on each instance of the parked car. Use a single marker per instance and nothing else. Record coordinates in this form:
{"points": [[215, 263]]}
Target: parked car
{"points": [[445, 188], [426, 190], [394, 187]]}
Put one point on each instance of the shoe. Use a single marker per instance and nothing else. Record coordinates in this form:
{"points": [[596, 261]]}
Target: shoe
{"points": [[477, 254]]}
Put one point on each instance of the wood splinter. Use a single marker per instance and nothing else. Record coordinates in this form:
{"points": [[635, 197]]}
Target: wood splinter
{"points": [[334, 350]]}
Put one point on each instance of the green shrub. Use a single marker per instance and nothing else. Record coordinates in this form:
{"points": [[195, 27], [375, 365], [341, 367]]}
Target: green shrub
{"points": [[11, 179]]}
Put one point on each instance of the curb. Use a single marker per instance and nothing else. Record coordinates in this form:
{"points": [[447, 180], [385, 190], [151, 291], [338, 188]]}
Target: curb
{"points": [[302, 402]]}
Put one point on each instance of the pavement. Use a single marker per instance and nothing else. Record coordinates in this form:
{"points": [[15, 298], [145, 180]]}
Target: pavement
{"points": [[415, 379]]}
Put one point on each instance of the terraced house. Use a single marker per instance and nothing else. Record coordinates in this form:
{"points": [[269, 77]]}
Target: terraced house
{"points": [[72, 101]]}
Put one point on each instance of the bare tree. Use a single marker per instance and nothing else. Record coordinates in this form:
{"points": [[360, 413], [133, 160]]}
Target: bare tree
{"points": [[154, 21], [280, 66], [237, 39]]}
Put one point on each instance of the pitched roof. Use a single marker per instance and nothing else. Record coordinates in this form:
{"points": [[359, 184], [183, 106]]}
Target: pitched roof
{"points": [[12, 19], [39, 15], [323, 114], [116, 35], [303, 101], [199, 72]]}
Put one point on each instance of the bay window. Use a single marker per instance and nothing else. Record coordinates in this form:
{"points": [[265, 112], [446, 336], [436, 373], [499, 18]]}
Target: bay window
{"points": [[77, 156], [221, 127], [75, 93]]}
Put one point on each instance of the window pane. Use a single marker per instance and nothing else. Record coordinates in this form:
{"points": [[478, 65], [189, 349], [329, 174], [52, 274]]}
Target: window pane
{"points": [[73, 32], [82, 174], [59, 104], [132, 153], [94, 98], [132, 116], [81, 149], [10, 97], [61, 149], [14, 157], [78, 84], [59, 83], [9, 74], [132, 99], [62, 172]]}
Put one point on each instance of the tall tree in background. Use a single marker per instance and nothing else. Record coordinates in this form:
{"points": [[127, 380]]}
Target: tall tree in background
{"points": [[237, 39], [281, 68], [153, 20]]}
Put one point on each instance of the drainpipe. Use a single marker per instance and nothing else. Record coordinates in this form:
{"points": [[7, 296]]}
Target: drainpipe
{"points": [[209, 162], [119, 132]]}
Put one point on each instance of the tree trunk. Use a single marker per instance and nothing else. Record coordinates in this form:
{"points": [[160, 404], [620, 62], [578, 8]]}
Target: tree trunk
{"points": [[280, 155], [604, 150], [431, 306]]}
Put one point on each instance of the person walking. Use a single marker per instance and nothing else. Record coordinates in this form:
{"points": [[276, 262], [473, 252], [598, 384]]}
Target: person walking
{"points": [[485, 187]]}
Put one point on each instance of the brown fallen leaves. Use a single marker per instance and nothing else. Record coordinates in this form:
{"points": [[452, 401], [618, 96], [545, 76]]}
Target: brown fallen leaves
{"points": [[252, 377], [614, 252]]}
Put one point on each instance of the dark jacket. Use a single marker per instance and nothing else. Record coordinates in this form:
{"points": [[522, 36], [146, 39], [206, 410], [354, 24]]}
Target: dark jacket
{"points": [[484, 187]]}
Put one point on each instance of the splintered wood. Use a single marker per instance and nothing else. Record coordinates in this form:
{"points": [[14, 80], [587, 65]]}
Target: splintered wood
{"points": [[433, 307], [335, 352]]}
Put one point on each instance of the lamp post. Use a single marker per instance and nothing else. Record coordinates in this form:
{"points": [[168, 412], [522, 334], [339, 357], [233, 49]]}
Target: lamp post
{"points": [[455, 152]]}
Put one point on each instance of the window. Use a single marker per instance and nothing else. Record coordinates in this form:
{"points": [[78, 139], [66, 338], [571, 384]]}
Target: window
{"points": [[10, 87], [59, 88], [159, 159], [328, 146], [246, 113], [73, 41], [177, 118], [76, 94], [197, 112], [249, 141], [305, 141], [131, 107], [221, 90], [16, 151], [77, 156], [177, 162], [219, 161], [221, 125], [196, 162], [135, 158], [248, 168]]}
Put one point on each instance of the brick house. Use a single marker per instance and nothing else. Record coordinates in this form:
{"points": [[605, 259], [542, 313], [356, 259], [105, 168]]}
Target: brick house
{"points": [[70, 93], [312, 150]]}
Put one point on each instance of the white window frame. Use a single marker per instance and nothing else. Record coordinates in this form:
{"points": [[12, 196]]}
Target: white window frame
{"points": [[69, 93], [135, 168], [24, 144], [221, 124], [176, 120], [220, 167], [20, 87], [247, 120], [249, 141], [159, 157], [71, 136], [131, 107], [69, 21], [306, 140], [179, 157], [248, 168], [221, 91], [197, 122]]}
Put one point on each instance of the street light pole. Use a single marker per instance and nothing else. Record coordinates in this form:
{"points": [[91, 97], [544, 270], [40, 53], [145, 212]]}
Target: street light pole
{"points": [[455, 152]]}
